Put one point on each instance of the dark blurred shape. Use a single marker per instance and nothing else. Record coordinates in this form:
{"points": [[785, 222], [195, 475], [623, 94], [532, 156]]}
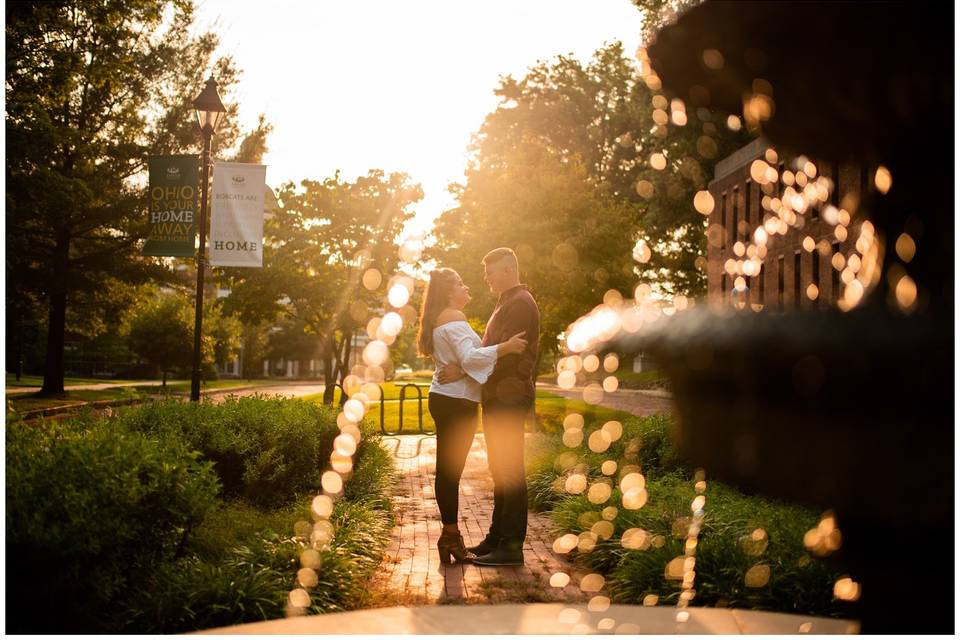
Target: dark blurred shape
{"points": [[846, 411]]}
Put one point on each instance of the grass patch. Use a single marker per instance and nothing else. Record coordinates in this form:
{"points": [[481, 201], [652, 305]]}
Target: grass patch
{"points": [[627, 378], [37, 381], [22, 402], [798, 582], [550, 411], [630, 379]]}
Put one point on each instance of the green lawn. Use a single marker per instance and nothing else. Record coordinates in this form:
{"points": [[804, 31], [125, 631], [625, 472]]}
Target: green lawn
{"points": [[628, 378], [551, 410], [642, 379], [33, 401], [37, 381]]}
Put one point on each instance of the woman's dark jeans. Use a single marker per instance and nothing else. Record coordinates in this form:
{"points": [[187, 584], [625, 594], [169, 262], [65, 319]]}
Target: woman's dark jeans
{"points": [[456, 420]]}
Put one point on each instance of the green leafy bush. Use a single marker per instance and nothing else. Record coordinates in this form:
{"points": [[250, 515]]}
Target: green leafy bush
{"points": [[196, 592], [267, 450], [645, 442], [250, 581], [798, 583], [115, 523], [90, 508]]}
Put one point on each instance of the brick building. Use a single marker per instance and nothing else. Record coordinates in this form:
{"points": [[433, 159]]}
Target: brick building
{"points": [[794, 261]]}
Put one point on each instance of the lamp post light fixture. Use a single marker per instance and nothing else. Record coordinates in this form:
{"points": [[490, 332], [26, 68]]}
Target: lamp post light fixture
{"points": [[210, 110]]}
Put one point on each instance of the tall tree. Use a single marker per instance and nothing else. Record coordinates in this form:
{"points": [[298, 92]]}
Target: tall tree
{"points": [[160, 330], [567, 233], [317, 246], [588, 133], [92, 88]]}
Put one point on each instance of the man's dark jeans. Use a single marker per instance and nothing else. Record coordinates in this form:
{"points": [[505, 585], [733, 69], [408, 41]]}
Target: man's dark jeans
{"points": [[503, 430]]}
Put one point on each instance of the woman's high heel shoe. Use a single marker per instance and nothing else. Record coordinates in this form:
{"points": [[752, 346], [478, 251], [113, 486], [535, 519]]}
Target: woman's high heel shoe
{"points": [[451, 547]]}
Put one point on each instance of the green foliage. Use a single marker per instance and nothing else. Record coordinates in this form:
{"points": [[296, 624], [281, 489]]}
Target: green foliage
{"points": [[243, 562], [160, 330], [115, 522], [92, 89], [90, 507], [221, 334], [195, 594], [317, 246], [552, 409], [657, 13], [554, 176], [265, 449], [372, 474], [645, 442], [798, 582]]}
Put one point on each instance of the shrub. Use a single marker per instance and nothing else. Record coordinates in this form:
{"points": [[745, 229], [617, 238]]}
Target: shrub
{"points": [[242, 561], [267, 450], [196, 593], [798, 582], [249, 582], [112, 523], [90, 508], [645, 442]]}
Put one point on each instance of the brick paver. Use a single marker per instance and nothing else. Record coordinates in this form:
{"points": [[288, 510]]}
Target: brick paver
{"points": [[412, 572]]}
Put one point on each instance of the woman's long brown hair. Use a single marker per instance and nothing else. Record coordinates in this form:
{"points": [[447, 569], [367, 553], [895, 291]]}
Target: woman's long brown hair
{"points": [[435, 300]]}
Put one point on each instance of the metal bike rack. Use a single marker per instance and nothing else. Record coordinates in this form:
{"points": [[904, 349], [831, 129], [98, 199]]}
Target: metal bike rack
{"points": [[403, 397]]}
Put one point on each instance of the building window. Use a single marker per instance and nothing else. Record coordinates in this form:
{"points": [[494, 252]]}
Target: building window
{"points": [[734, 226], [815, 256], [835, 275], [796, 280], [835, 176], [761, 295], [723, 220], [780, 282]]}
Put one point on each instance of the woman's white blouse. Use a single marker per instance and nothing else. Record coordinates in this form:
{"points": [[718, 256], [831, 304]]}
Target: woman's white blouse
{"points": [[456, 342]]}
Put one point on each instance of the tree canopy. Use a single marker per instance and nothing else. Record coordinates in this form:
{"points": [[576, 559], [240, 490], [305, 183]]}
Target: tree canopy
{"points": [[317, 247], [567, 171], [93, 88]]}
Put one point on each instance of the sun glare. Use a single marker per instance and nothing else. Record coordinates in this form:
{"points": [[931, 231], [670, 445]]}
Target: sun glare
{"points": [[396, 86]]}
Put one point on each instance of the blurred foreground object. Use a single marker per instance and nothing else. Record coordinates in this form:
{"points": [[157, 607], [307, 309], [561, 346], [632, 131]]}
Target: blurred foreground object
{"points": [[850, 411]]}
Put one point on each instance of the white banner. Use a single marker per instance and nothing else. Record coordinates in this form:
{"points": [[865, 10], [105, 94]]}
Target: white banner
{"points": [[236, 214]]}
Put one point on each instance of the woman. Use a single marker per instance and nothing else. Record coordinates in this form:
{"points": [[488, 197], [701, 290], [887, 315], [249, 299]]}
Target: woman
{"points": [[448, 338]]}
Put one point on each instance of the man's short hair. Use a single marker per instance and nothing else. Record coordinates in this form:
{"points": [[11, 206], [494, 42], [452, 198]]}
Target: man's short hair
{"points": [[502, 253]]}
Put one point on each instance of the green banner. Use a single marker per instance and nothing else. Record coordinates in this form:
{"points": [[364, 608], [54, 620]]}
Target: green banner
{"points": [[174, 195]]}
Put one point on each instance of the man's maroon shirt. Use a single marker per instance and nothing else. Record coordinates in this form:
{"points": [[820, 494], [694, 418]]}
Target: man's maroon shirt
{"points": [[513, 381]]}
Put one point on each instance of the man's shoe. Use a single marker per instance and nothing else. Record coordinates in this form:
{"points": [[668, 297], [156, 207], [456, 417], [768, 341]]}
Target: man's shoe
{"points": [[483, 548], [501, 557]]}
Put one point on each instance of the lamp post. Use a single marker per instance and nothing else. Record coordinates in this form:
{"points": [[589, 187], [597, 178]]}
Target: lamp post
{"points": [[210, 110]]}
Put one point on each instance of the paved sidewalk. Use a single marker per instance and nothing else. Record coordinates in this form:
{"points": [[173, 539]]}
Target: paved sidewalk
{"points": [[412, 573]]}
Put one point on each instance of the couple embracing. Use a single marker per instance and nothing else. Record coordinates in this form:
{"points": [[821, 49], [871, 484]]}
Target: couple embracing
{"points": [[497, 372]]}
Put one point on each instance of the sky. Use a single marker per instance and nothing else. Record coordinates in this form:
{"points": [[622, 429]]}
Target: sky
{"points": [[399, 86]]}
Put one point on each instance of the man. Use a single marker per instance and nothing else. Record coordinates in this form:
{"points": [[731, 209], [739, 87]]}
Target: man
{"points": [[507, 398]]}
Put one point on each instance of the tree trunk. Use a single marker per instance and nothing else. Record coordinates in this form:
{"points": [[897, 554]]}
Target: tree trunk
{"points": [[343, 363], [164, 385], [56, 333], [329, 381]]}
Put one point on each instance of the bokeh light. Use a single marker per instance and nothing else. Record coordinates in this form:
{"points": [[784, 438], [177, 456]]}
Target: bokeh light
{"points": [[372, 278], [559, 580]]}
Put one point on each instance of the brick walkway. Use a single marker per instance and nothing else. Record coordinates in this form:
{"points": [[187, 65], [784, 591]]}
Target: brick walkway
{"points": [[412, 573]]}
